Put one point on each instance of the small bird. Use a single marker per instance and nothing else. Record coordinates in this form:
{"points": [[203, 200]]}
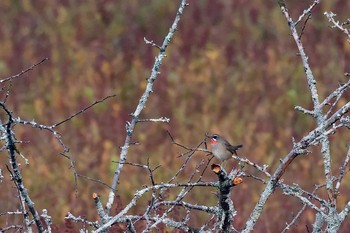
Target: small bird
{"points": [[221, 148]]}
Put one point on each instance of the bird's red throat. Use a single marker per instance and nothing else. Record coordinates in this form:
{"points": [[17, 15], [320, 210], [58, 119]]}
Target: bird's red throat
{"points": [[213, 142]]}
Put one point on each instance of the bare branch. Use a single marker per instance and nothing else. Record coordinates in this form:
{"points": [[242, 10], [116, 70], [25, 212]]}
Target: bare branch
{"points": [[94, 180], [162, 119], [151, 43], [187, 205], [17, 177], [307, 11], [337, 24], [82, 111], [304, 25], [81, 219], [142, 102], [24, 71], [342, 173], [140, 193]]}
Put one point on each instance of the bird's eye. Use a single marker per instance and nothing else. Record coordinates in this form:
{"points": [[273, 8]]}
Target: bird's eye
{"points": [[214, 137]]}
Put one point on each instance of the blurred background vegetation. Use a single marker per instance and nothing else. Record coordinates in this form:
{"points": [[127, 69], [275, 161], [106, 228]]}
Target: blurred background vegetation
{"points": [[232, 69]]}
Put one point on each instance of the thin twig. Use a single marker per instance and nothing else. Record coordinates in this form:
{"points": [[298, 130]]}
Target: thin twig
{"points": [[304, 25], [307, 11], [342, 173], [162, 119], [151, 43], [24, 71], [81, 111], [94, 180], [336, 24], [297, 216]]}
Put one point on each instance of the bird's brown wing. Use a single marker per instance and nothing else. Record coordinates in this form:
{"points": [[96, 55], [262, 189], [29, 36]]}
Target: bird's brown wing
{"points": [[231, 148]]}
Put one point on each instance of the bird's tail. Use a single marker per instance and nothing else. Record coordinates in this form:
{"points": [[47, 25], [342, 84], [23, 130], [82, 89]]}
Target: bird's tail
{"points": [[235, 148]]}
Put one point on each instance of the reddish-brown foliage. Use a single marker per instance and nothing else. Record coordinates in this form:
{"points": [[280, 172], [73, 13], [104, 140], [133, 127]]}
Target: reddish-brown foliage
{"points": [[231, 68]]}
